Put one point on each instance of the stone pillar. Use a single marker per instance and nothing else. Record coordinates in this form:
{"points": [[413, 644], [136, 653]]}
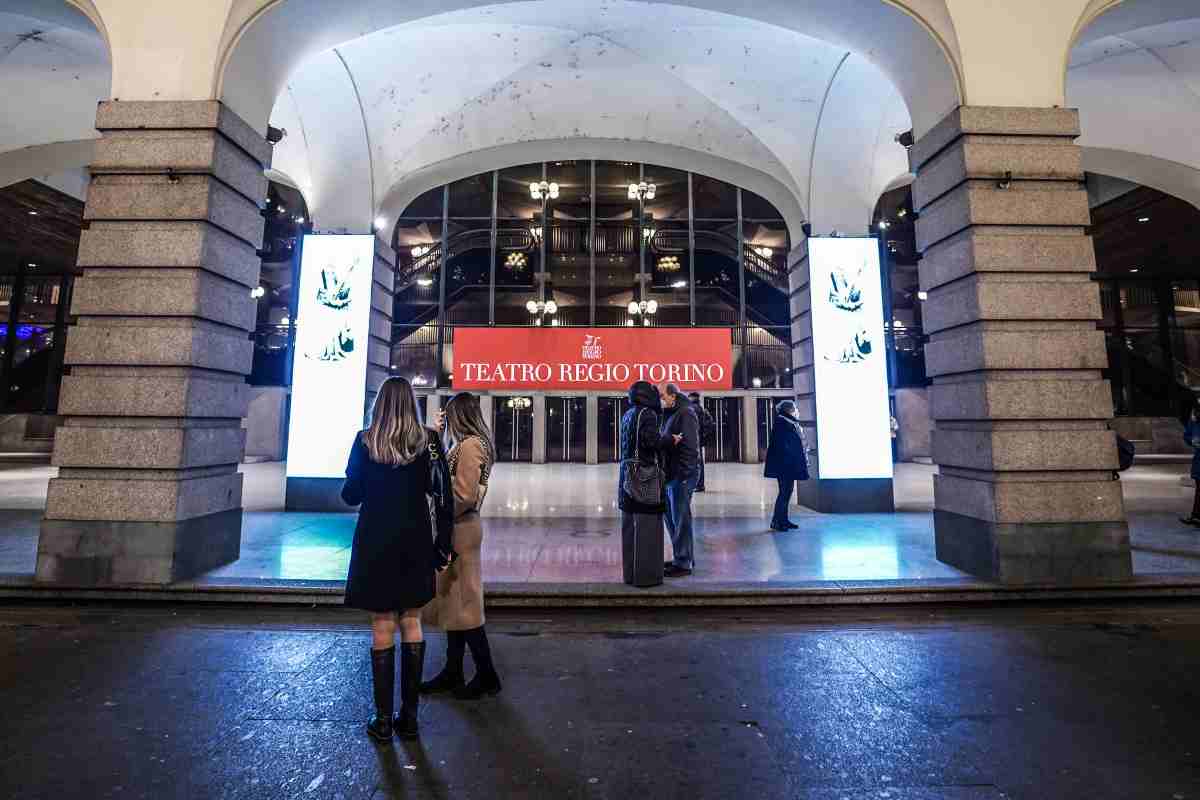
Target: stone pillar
{"points": [[592, 413], [433, 404], [148, 490], [1025, 490], [486, 408], [749, 429], [831, 496], [379, 346], [539, 428]]}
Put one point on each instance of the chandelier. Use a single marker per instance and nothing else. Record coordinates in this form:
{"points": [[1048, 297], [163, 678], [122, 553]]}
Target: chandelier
{"points": [[537, 307], [543, 190], [765, 252], [645, 307], [420, 250], [669, 264], [642, 191], [519, 403], [516, 261]]}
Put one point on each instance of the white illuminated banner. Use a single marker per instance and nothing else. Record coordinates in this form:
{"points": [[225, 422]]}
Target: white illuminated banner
{"points": [[850, 359], [329, 374]]}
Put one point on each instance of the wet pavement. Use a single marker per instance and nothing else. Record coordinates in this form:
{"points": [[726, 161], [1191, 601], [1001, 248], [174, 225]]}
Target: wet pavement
{"points": [[942, 703]]}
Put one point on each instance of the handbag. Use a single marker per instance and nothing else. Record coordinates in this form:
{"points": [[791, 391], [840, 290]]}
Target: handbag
{"points": [[642, 482]]}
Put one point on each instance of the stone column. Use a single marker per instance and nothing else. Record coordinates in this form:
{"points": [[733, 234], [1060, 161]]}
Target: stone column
{"points": [[592, 413], [379, 347], [749, 429], [433, 404], [148, 490], [486, 408], [831, 496], [1025, 491], [539, 428]]}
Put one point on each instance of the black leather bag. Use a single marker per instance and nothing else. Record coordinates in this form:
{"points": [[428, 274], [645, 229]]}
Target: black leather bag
{"points": [[642, 482]]}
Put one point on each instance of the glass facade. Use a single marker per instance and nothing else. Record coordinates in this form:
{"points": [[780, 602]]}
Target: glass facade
{"points": [[591, 243]]}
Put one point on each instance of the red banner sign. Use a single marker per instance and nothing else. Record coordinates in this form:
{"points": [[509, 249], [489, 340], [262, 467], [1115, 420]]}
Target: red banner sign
{"points": [[500, 359]]}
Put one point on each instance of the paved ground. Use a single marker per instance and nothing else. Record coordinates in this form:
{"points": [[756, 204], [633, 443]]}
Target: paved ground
{"points": [[559, 524], [1035, 702]]}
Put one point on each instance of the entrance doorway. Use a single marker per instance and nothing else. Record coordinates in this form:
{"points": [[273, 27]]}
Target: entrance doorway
{"points": [[766, 423], [609, 432], [566, 429], [727, 417], [512, 424]]}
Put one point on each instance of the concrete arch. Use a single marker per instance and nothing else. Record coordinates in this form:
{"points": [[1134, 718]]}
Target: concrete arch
{"points": [[912, 41], [45, 159], [397, 197], [1169, 177]]}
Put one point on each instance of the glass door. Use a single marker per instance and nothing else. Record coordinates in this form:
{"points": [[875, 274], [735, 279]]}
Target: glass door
{"points": [[512, 424], [727, 416], [766, 422], [612, 409], [566, 429]]}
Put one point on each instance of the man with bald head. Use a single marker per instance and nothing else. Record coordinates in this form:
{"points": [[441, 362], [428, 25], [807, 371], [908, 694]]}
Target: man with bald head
{"points": [[679, 440]]}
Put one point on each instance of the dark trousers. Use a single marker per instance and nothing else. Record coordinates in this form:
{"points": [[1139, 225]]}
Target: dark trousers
{"points": [[786, 487], [679, 519], [1196, 502], [700, 483]]}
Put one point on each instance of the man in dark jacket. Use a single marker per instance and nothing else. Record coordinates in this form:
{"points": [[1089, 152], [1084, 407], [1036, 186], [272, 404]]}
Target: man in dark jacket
{"points": [[708, 431], [679, 440]]}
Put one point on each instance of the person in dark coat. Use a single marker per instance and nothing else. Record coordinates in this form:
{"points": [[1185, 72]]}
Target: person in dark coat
{"points": [[641, 523], [1191, 435], [679, 442], [708, 430], [787, 461], [395, 465]]}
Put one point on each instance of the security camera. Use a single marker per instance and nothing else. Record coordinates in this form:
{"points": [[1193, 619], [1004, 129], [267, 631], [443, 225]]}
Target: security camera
{"points": [[806, 229], [905, 139], [275, 135]]}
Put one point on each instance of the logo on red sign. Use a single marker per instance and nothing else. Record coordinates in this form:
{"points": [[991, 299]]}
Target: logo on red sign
{"points": [[501, 359]]}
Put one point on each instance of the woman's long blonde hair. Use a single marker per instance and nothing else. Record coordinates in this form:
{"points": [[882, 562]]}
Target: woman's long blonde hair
{"points": [[396, 435], [464, 419]]}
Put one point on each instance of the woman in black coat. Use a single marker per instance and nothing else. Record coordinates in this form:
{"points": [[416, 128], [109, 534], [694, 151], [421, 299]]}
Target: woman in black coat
{"points": [[787, 461], [641, 523], [395, 465]]}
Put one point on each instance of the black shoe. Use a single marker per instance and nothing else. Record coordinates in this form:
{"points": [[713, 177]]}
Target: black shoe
{"points": [[482, 685], [412, 662], [1194, 521], [675, 571], [792, 526], [446, 681], [383, 682], [779, 528]]}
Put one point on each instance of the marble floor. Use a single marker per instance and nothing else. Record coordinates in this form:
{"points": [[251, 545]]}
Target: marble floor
{"points": [[560, 524]]}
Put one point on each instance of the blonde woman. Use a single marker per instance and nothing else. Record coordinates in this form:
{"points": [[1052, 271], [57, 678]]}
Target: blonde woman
{"points": [[458, 607], [395, 465]]}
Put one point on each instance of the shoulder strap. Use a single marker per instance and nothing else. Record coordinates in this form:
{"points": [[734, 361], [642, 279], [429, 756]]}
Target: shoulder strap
{"points": [[637, 436]]}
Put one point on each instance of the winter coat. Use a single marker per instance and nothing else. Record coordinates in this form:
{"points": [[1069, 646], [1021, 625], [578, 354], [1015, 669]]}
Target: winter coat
{"points": [[682, 461], [393, 558], [786, 458], [1191, 435], [642, 421]]}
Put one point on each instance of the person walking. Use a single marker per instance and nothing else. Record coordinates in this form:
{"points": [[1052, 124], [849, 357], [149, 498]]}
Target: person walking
{"points": [[708, 431], [395, 466], [787, 461], [641, 522], [1191, 435], [679, 441], [458, 604]]}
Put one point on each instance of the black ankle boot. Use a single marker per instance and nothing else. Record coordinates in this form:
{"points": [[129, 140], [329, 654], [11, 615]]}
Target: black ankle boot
{"points": [[486, 681], [412, 662], [451, 677], [383, 679]]}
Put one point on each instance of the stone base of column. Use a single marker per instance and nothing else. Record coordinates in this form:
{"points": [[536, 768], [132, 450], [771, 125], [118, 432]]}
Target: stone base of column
{"points": [[315, 494], [1046, 552], [90, 553], [847, 495]]}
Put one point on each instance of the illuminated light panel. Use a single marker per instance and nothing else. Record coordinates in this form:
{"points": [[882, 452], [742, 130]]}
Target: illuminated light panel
{"points": [[330, 373], [850, 359]]}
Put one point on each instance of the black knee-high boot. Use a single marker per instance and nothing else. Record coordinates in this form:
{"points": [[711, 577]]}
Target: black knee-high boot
{"points": [[412, 663], [486, 681], [451, 676], [383, 678]]}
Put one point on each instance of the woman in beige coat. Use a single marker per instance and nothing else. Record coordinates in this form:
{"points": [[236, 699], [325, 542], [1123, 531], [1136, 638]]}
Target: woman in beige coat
{"points": [[458, 605]]}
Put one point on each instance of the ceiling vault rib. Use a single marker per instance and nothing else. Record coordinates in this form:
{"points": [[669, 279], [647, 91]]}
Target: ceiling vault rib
{"points": [[366, 134], [812, 155]]}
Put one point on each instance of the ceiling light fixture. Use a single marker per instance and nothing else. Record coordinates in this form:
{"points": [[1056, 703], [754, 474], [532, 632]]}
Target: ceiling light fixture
{"points": [[642, 191]]}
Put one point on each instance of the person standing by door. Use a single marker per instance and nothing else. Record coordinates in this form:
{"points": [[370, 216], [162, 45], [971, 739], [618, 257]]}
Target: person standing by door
{"points": [[458, 606], [787, 461], [708, 432], [1191, 436], [679, 441], [641, 522], [396, 464]]}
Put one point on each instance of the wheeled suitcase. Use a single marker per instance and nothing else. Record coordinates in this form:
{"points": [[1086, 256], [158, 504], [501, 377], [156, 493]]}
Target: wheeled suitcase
{"points": [[642, 549]]}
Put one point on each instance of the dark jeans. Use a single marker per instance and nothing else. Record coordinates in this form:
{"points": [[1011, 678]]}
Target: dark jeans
{"points": [[700, 482], [786, 487], [679, 519]]}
